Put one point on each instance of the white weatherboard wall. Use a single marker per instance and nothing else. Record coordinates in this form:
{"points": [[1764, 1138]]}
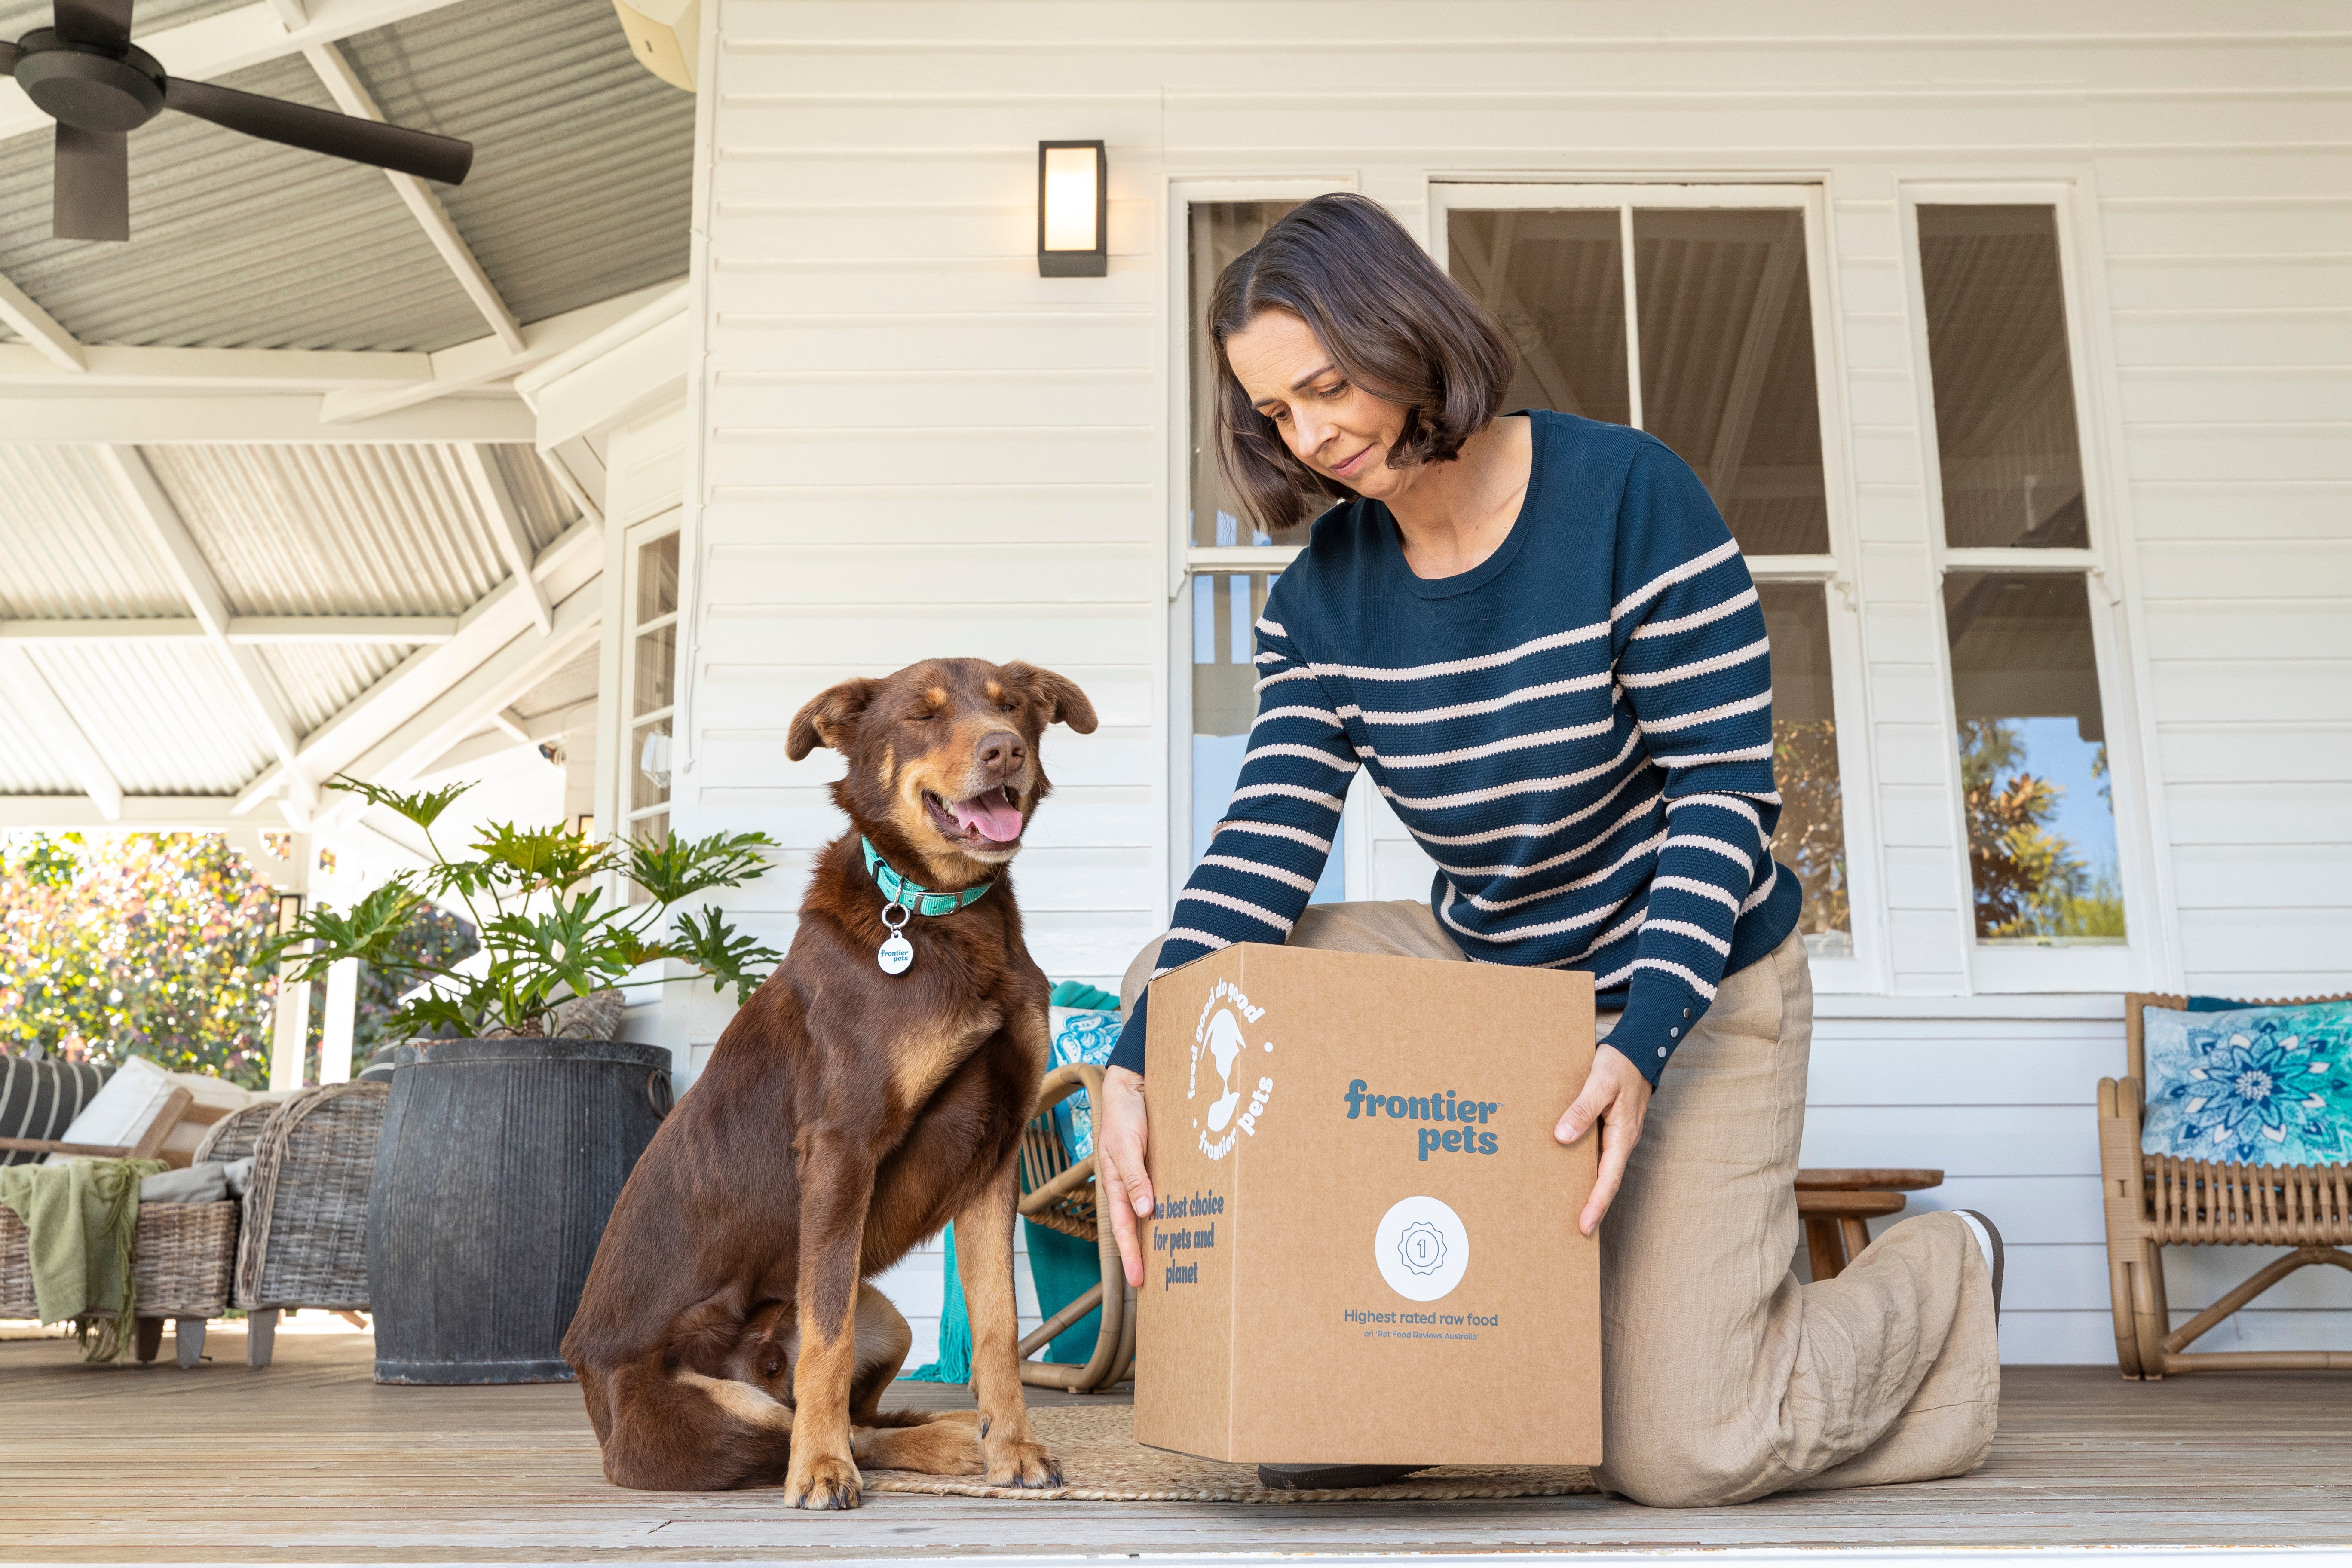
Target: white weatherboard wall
{"points": [[905, 443]]}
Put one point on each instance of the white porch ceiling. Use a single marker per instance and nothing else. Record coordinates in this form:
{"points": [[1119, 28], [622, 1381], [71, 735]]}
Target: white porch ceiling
{"points": [[235, 553]]}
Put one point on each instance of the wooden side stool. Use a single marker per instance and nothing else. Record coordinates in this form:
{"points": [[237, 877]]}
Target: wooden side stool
{"points": [[1837, 1206]]}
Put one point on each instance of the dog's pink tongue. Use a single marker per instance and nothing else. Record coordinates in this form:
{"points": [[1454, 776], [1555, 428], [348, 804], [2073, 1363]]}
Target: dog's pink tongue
{"points": [[998, 819]]}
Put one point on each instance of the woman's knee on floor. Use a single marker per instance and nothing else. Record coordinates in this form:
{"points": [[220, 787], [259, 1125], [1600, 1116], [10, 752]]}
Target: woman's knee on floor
{"points": [[1680, 1465]]}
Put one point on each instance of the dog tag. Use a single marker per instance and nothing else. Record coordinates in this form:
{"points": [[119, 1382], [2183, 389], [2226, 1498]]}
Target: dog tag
{"points": [[897, 952]]}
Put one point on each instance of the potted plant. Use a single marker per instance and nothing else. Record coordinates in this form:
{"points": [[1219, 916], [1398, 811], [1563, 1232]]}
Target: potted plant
{"points": [[507, 1138]]}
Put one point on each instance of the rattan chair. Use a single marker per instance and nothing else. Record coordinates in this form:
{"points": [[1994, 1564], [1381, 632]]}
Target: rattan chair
{"points": [[179, 1268], [1060, 1194], [2155, 1200], [306, 1205]]}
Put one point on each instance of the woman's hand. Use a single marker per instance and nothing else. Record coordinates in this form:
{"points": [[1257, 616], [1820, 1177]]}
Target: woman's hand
{"points": [[1616, 1095], [1120, 1137]]}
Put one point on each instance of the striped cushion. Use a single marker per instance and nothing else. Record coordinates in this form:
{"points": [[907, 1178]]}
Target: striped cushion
{"points": [[40, 1099]]}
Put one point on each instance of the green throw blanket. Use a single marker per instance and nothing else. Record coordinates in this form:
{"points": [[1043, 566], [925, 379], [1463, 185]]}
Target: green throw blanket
{"points": [[81, 1219]]}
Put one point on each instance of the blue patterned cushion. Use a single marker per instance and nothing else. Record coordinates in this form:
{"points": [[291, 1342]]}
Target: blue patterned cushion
{"points": [[2253, 1086], [1080, 1034]]}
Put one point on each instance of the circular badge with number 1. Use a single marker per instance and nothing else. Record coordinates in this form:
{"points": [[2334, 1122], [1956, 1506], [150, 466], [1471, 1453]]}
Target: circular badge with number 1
{"points": [[897, 954]]}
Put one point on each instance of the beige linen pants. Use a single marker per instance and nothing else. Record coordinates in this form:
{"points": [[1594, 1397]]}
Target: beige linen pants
{"points": [[1723, 1378]]}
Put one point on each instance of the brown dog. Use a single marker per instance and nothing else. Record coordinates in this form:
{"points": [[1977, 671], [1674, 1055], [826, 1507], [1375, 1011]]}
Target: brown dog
{"points": [[726, 1336]]}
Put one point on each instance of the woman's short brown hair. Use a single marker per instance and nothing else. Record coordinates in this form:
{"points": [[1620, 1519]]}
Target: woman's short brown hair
{"points": [[1392, 322]]}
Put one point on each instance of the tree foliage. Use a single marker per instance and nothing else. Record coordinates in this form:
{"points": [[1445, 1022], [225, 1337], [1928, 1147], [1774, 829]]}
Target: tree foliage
{"points": [[2029, 880], [141, 944], [544, 924], [1811, 837]]}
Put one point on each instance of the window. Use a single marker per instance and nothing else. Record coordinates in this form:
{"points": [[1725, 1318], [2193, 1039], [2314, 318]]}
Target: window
{"points": [[1689, 311], [649, 667], [1230, 565], [2037, 799]]}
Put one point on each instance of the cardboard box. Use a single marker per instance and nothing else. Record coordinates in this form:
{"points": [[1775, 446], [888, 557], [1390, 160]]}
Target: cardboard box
{"points": [[1364, 1249]]}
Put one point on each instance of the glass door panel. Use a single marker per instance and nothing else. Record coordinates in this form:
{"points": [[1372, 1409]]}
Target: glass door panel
{"points": [[1727, 329], [1555, 282]]}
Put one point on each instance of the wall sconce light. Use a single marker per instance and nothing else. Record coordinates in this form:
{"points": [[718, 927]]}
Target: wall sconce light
{"points": [[1073, 200], [289, 912]]}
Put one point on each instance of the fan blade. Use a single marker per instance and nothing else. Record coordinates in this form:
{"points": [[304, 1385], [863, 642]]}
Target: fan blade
{"points": [[93, 185], [395, 147], [105, 23], [7, 59]]}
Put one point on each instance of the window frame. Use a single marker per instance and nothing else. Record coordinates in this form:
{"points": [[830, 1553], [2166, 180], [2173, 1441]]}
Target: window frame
{"points": [[1185, 558], [1995, 969], [634, 540]]}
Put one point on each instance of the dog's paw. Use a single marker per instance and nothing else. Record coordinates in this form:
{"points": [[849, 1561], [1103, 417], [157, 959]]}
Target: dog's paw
{"points": [[822, 1481], [1022, 1464]]}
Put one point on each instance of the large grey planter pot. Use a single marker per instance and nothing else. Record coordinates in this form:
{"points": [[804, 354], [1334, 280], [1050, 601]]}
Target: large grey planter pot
{"points": [[498, 1165]]}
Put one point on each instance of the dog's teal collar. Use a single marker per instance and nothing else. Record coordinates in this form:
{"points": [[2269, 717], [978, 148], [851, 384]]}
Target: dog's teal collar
{"points": [[912, 895]]}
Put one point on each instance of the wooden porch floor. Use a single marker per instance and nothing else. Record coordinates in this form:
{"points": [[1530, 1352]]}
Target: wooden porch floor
{"points": [[311, 1461]]}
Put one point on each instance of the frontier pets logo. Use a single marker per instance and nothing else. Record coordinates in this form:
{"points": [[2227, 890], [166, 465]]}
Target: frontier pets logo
{"points": [[1219, 1037]]}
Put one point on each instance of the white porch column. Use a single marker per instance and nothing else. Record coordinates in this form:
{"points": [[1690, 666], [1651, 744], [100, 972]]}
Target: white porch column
{"points": [[292, 1030], [342, 1016]]}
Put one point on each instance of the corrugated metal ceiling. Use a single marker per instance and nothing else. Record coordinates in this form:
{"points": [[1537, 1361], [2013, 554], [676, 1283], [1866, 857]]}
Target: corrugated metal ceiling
{"points": [[164, 718], [69, 549], [18, 18], [318, 680], [583, 177], [236, 243], [580, 193], [26, 766], [344, 529], [583, 167]]}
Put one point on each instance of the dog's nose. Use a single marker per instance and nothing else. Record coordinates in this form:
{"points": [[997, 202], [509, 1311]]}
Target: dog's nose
{"points": [[1002, 751]]}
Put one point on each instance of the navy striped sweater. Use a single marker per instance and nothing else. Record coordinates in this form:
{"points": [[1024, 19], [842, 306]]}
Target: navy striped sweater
{"points": [[1578, 731]]}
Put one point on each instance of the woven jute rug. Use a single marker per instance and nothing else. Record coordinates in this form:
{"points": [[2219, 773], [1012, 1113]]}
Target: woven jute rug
{"points": [[1102, 1462]]}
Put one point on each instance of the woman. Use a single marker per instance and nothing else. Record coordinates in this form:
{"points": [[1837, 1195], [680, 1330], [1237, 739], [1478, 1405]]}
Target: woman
{"points": [[1538, 636]]}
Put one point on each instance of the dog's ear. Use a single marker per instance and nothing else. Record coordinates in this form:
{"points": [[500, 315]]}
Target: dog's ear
{"points": [[1057, 694], [831, 716]]}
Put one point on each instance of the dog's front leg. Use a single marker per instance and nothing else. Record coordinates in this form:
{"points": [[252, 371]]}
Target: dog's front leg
{"points": [[836, 1185], [983, 1233]]}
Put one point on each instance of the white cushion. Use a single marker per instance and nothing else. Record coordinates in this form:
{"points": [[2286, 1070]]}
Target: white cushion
{"points": [[121, 1112]]}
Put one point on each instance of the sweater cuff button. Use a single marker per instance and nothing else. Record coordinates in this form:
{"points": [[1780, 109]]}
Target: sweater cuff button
{"points": [[1662, 1050]]}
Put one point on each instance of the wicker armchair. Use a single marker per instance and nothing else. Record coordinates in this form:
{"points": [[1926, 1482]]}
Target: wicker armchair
{"points": [[181, 1270], [2155, 1200], [1060, 1194], [306, 1205]]}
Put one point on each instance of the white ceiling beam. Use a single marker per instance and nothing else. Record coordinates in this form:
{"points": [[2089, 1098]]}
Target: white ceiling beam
{"points": [[577, 473], [176, 547], [487, 360], [244, 630], [470, 704], [422, 376], [507, 527], [223, 370], [352, 95], [231, 40], [31, 694], [508, 722], [137, 813], [47, 335], [572, 563], [150, 418]]}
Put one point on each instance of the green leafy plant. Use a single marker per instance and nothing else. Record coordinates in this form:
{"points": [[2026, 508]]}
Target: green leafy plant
{"points": [[547, 932]]}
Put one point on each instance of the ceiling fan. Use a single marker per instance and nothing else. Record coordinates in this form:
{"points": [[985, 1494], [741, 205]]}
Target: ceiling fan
{"points": [[85, 74]]}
